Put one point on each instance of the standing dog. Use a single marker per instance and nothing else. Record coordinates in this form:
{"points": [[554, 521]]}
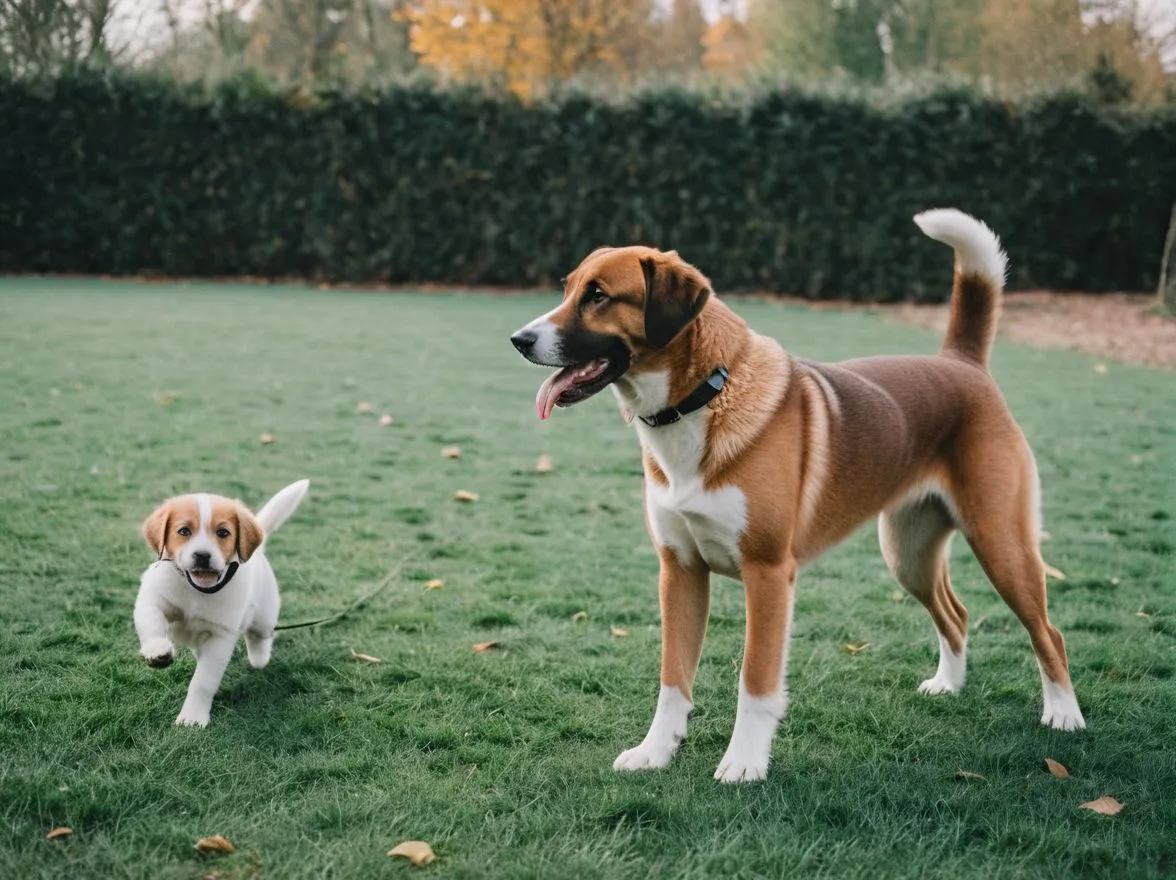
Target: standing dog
{"points": [[756, 462], [211, 585]]}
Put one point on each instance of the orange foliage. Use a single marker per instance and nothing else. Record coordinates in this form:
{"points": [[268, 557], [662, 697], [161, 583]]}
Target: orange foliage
{"points": [[730, 47]]}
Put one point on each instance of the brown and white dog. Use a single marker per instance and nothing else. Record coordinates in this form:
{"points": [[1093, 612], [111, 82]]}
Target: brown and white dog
{"points": [[211, 585], [757, 461]]}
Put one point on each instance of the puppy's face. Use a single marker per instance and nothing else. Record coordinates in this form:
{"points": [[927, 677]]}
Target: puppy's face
{"points": [[201, 535], [620, 306]]}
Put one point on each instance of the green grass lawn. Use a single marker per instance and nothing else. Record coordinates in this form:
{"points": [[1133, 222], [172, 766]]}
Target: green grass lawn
{"points": [[114, 396]]}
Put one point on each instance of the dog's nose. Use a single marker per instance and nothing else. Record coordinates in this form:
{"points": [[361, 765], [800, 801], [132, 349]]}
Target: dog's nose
{"points": [[524, 340], [202, 560]]}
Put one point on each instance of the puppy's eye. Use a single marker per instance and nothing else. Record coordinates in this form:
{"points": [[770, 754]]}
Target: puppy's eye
{"points": [[184, 532], [222, 532]]}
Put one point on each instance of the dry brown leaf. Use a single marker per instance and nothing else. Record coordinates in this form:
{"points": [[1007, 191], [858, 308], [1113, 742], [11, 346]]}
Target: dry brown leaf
{"points": [[215, 844], [1100, 368], [1106, 805], [59, 832], [968, 774], [451, 452], [897, 596], [1056, 769], [366, 658], [434, 584], [579, 615], [266, 439], [416, 851], [619, 633], [463, 495], [483, 647], [163, 398], [544, 465], [857, 648], [1143, 614], [386, 419], [1053, 572], [363, 407]]}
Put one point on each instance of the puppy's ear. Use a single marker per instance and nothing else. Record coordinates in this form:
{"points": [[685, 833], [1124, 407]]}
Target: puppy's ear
{"points": [[155, 529], [249, 533], [675, 293]]}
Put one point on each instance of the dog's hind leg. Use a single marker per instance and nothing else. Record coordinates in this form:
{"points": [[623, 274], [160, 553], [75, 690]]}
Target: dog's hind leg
{"points": [[915, 537]]}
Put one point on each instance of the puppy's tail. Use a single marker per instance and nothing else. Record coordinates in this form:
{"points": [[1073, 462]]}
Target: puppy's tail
{"points": [[979, 279], [278, 509]]}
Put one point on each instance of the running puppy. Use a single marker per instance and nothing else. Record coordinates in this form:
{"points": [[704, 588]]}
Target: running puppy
{"points": [[756, 462], [211, 585]]}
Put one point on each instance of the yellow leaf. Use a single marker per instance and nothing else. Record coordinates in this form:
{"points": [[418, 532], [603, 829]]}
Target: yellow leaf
{"points": [[266, 439], [857, 648], [619, 633], [1100, 368], [463, 495], [386, 419], [968, 774], [1106, 805], [451, 452], [215, 844], [1056, 769], [59, 832], [544, 464], [897, 596], [483, 647], [1053, 572], [416, 851], [366, 658], [1142, 613], [363, 407], [434, 584], [579, 615], [163, 398]]}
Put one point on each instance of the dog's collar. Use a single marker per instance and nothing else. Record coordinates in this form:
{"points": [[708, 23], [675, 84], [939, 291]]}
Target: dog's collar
{"points": [[230, 570], [695, 400]]}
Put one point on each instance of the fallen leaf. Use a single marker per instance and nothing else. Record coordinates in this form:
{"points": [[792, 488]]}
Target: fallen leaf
{"points": [[1114, 581], [451, 452], [1106, 805], [619, 633], [215, 844], [363, 407], [366, 658], [266, 439], [968, 774], [544, 465], [897, 596], [483, 647], [856, 649], [1053, 572], [434, 584], [463, 495], [1142, 613], [416, 851], [163, 398], [59, 832], [1056, 769], [386, 419], [579, 615], [1100, 368]]}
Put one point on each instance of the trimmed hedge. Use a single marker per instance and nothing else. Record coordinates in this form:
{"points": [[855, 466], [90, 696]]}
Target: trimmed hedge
{"points": [[787, 192]]}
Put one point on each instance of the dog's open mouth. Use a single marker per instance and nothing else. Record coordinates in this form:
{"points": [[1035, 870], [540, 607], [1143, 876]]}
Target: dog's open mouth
{"points": [[202, 578], [576, 383]]}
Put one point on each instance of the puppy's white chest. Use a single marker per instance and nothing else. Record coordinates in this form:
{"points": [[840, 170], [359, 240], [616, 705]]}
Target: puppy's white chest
{"points": [[698, 525]]}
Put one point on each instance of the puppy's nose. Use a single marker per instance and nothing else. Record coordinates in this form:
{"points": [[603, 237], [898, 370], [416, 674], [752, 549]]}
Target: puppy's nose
{"points": [[524, 340], [202, 560]]}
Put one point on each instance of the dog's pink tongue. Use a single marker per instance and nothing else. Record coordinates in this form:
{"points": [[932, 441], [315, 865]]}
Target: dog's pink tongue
{"points": [[555, 385]]}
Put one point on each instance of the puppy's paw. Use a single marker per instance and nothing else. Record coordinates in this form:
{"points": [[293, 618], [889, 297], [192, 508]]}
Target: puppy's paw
{"points": [[939, 685], [189, 718], [159, 653], [1062, 720], [645, 757], [742, 765]]}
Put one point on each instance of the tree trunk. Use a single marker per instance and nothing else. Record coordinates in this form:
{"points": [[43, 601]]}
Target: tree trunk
{"points": [[1167, 290]]}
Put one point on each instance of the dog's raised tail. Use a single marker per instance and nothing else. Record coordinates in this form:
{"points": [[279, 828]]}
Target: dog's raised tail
{"points": [[979, 279], [278, 509]]}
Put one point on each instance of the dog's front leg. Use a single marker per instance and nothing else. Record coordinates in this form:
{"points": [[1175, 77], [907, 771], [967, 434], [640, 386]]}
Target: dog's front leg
{"points": [[212, 658], [685, 601], [763, 682], [151, 626]]}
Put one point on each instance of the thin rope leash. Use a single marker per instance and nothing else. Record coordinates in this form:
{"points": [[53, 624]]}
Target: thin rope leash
{"points": [[339, 615]]}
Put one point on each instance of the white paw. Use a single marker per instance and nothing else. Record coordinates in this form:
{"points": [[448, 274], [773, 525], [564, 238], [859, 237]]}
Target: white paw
{"points": [[645, 757], [1060, 720], [159, 652], [742, 768], [258, 657], [189, 718], [939, 685]]}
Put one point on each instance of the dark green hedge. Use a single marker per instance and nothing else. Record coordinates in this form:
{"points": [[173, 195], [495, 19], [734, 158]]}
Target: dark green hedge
{"points": [[786, 192]]}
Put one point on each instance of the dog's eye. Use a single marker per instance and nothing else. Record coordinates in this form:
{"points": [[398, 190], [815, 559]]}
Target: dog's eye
{"points": [[594, 296], [184, 532], [222, 532]]}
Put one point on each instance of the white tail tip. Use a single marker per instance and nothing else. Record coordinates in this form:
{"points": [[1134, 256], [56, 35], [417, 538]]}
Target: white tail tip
{"points": [[978, 250], [278, 509]]}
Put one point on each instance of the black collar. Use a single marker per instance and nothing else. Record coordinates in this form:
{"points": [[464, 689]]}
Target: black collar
{"points": [[695, 400], [230, 570]]}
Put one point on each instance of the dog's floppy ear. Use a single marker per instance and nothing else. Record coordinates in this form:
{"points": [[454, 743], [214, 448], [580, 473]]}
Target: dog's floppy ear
{"points": [[155, 529], [249, 533], [675, 293]]}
